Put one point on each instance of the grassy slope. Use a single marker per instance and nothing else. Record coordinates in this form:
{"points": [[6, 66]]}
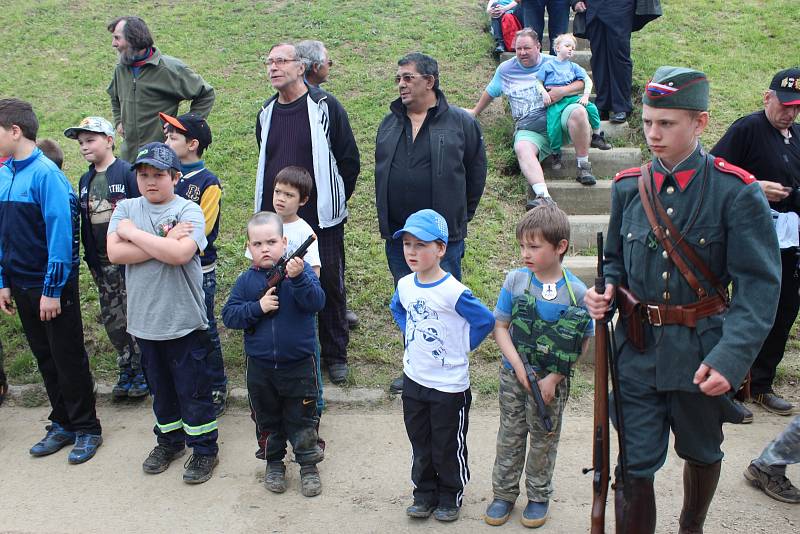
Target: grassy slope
{"points": [[60, 56]]}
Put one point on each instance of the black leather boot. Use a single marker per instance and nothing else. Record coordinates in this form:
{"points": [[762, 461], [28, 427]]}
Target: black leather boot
{"points": [[639, 510], [699, 485]]}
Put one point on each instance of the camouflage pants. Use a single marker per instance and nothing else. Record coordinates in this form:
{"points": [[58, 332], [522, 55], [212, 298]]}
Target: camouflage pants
{"points": [[519, 419], [782, 451], [110, 282]]}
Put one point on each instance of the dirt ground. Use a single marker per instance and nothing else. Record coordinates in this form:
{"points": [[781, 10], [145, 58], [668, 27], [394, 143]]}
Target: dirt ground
{"points": [[365, 477]]}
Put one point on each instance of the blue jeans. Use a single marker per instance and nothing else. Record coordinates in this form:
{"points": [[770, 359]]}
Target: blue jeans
{"points": [[558, 18], [451, 262], [216, 365]]}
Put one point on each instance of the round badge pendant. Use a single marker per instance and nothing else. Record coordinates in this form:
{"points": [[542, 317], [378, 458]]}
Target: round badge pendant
{"points": [[549, 291]]}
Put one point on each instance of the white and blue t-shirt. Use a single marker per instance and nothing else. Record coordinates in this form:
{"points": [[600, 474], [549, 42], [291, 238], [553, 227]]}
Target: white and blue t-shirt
{"points": [[442, 321], [518, 280], [522, 88]]}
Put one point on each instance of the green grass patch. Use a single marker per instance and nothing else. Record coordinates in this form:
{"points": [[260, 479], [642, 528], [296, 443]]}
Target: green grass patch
{"points": [[58, 55]]}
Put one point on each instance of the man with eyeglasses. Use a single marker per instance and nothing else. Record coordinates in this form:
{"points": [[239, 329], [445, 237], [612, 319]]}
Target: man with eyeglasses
{"points": [[312, 131], [428, 155]]}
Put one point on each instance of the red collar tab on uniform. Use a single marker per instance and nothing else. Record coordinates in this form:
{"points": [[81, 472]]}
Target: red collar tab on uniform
{"points": [[682, 178]]}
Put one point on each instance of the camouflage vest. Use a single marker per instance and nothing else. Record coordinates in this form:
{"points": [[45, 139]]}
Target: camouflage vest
{"points": [[551, 347]]}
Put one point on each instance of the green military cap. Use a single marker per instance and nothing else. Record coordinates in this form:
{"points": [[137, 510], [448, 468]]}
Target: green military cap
{"points": [[677, 88]]}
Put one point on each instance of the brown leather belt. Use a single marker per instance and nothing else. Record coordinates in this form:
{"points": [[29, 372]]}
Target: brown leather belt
{"points": [[686, 315]]}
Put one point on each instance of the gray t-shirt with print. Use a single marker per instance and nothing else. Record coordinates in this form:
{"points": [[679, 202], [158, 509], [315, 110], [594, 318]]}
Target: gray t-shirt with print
{"points": [[164, 301]]}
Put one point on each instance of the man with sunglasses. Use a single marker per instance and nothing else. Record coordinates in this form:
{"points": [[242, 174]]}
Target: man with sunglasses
{"points": [[312, 131], [428, 155]]}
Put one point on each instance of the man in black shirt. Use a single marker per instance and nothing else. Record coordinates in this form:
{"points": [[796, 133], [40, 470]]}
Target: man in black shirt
{"points": [[767, 144], [428, 154], [307, 127]]}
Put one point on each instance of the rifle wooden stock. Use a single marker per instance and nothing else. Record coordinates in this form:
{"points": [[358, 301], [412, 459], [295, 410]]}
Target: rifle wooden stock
{"points": [[600, 435]]}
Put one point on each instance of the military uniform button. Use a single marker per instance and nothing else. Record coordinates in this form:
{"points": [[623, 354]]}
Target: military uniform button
{"points": [[665, 295], [665, 255], [702, 240], [670, 190], [670, 211], [721, 164], [666, 232], [665, 275], [630, 235]]}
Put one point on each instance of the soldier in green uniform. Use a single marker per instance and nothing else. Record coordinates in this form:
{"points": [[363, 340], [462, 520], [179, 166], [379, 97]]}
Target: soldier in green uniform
{"points": [[696, 345]]}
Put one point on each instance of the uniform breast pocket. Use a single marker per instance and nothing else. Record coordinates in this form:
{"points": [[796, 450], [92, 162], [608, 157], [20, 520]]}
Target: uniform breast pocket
{"points": [[709, 243], [634, 251]]}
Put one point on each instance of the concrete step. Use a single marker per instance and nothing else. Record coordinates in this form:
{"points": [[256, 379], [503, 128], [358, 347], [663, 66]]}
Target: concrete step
{"points": [[583, 230], [584, 267], [605, 163], [614, 130], [577, 199]]}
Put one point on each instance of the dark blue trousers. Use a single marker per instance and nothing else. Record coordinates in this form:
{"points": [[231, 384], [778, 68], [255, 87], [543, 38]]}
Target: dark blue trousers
{"points": [[179, 380], [219, 382], [557, 18]]}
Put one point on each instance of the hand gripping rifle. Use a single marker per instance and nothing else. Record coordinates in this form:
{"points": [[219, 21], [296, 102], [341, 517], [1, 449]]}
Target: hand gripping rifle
{"points": [[536, 393], [277, 274], [605, 362]]}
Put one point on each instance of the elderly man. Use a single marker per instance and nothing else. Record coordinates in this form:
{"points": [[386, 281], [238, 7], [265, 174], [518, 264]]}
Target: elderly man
{"points": [[428, 154], [147, 82], [312, 131], [316, 61], [516, 78], [767, 144]]}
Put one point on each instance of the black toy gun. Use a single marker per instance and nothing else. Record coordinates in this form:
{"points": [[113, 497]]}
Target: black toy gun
{"points": [[277, 274], [533, 378]]}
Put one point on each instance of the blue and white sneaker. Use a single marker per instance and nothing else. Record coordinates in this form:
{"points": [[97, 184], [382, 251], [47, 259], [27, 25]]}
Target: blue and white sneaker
{"points": [[56, 439], [138, 387], [86, 446]]}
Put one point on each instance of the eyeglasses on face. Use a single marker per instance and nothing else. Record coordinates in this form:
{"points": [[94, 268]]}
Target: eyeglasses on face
{"points": [[408, 77], [279, 61]]}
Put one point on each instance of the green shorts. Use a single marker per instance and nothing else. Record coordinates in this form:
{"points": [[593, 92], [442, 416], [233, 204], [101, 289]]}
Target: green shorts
{"points": [[540, 140]]}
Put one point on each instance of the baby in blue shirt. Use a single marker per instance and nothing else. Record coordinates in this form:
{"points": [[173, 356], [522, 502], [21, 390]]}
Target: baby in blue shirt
{"points": [[560, 72]]}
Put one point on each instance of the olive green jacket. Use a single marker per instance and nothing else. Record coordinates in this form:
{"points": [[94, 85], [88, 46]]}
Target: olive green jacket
{"points": [[162, 84], [724, 216]]}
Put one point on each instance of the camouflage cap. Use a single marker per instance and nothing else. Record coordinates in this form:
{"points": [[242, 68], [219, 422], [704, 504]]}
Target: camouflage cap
{"points": [[677, 88]]}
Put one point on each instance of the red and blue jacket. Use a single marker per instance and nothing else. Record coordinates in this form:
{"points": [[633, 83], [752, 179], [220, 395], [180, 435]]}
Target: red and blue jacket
{"points": [[39, 225]]}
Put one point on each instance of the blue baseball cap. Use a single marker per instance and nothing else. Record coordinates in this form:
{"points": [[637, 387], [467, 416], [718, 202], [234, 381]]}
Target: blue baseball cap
{"points": [[426, 225], [157, 155]]}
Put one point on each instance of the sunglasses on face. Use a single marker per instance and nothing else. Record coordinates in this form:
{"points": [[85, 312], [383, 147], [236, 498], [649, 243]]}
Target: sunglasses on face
{"points": [[407, 78]]}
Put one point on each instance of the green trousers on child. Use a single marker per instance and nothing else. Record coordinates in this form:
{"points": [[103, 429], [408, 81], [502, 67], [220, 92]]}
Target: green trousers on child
{"points": [[556, 127]]}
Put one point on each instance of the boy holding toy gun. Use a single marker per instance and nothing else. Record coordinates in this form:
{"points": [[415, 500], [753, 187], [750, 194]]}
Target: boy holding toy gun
{"points": [[277, 315], [541, 327]]}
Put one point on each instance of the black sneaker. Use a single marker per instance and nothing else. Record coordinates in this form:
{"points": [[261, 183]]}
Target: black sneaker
{"points": [[396, 387], [160, 458], [618, 117], [420, 510], [540, 200], [310, 483], [275, 478], [599, 141], [199, 468], [585, 176], [338, 373], [778, 487], [555, 161], [446, 513], [220, 400]]}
